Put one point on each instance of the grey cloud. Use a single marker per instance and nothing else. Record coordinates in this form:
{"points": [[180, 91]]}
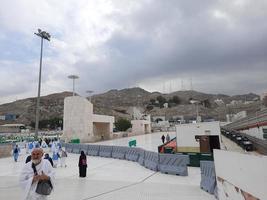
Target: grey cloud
{"points": [[166, 39], [184, 38]]}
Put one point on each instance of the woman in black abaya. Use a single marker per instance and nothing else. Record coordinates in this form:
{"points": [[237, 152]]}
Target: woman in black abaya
{"points": [[82, 165]]}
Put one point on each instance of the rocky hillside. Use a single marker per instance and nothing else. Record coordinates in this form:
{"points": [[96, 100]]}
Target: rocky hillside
{"points": [[119, 103], [50, 106]]}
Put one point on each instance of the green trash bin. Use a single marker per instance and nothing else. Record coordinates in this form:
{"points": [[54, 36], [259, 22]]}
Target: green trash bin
{"points": [[193, 159], [206, 156], [75, 141]]}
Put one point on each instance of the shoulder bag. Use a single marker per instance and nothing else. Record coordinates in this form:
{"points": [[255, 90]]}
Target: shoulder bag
{"points": [[44, 187]]}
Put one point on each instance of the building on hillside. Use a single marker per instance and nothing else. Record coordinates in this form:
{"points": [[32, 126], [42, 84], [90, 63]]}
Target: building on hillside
{"points": [[141, 125], [198, 137], [219, 102], [177, 119], [81, 123], [8, 117], [165, 105], [158, 118], [159, 123], [240, 115], [263, 95], [235, 102], [11, 128], [235, 117]]}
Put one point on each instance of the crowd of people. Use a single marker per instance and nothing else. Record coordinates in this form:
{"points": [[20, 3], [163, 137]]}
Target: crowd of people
{"points": [[38, 175], [58, 153], [38, 172]]}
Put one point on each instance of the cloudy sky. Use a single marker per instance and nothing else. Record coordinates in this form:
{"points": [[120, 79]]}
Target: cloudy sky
{"points": [[159, 45]]}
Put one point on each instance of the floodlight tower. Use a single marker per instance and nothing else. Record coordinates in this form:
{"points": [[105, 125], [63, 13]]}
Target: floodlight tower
{"points": [[43, 35], [73, 77], [196, 103]]}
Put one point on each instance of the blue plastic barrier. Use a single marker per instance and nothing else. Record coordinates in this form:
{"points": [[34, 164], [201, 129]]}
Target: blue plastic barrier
{"points": [[93, 150], [132, 154], [151, 160], [141, 157], [208, 176], [69, 147], [84, 147], [174, 164], [118, 152], [105, 151], [166, 163], [76, 148]]}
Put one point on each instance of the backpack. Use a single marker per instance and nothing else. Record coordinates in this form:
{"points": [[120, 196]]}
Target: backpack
{"points": [[84, 162], [16, 150]]}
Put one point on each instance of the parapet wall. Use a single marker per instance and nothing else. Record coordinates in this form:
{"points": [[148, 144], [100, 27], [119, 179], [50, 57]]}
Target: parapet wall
{"points": [[240, 176], [5, 150]]}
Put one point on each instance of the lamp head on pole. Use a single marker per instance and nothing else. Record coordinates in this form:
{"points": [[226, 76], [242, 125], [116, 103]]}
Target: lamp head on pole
{"points": [[89, 92], [73, 77], [43, 34]]}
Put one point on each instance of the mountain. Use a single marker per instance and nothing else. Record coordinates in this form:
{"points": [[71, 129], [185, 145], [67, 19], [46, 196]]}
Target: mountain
{"points": [[119, 103], [50, 106]]}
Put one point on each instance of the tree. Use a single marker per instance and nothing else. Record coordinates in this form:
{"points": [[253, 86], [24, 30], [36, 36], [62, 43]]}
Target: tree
{"points": [[206, 103], [176, 99], [122, 124], [152, 101], [149, 107], [161, 99], [52, 123]]}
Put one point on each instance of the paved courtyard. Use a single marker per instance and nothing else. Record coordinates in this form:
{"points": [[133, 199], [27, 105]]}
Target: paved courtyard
{"points": [[109, 178]]}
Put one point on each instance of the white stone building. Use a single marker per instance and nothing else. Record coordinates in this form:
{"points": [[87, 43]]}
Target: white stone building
{"points": [[142, 125], [81, 123], [198, 137]]}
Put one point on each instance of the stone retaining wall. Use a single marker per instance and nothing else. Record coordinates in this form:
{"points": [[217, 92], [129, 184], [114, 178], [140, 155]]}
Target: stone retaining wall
{"points": [[5, 150]]}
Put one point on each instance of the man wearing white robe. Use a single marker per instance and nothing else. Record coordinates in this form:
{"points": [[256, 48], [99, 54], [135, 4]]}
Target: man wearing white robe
{"points": [[28, 180]]}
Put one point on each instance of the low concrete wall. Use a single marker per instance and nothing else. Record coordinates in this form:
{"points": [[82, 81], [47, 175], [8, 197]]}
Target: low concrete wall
{"points": [[5, 150], [240, 176], [116, 135]]}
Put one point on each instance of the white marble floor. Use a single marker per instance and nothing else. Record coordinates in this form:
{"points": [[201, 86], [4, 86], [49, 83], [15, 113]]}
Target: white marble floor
{"points": [[109, 178], [148, 142]]}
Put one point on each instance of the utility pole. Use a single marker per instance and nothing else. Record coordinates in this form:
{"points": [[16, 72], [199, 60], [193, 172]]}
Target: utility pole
{"points": [[73, 77], [43, 35]]}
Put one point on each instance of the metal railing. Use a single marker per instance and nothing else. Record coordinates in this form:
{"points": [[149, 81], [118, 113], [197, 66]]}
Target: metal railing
{"points": [[258, 118]]}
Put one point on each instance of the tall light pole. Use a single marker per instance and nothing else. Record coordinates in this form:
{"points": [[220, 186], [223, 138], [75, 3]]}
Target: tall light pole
{"points": [[43, 35], [196, 102], [89, 92], [73, 77]]}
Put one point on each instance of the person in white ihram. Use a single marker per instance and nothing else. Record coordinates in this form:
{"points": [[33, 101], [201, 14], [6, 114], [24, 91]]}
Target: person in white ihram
{"points": [[28, 180]]}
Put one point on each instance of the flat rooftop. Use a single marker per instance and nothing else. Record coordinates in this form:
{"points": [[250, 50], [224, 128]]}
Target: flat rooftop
{"points": [[109, 178]]}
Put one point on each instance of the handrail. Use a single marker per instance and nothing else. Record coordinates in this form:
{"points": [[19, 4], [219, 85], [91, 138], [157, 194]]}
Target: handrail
{"points": [[258, 118]]}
